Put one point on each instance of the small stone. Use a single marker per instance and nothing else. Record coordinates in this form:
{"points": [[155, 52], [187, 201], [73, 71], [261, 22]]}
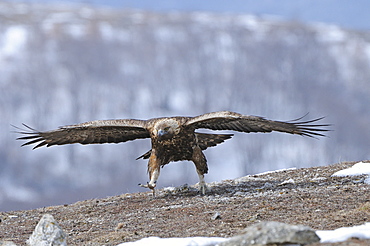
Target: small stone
{"points": [[289, 181], [239, 193], [120, 226], [169, 189], [216, 216], [7, 243], [47, 233], [267, 185], [255, 217], [317, 179]]}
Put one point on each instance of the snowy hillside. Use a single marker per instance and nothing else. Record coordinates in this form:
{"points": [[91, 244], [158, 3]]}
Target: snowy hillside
{"points": [[69, 64]]}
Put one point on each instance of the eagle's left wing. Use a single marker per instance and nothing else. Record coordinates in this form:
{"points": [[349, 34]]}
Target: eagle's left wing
{"points": [[225, 120], [93, 132]]}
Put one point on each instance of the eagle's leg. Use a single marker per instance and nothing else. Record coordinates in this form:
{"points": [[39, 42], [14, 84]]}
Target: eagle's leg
{"points": [[202, 183], [154, 171], [200, 162]]}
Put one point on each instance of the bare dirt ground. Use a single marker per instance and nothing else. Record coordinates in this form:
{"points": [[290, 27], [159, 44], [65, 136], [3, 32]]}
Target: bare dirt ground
{"points": [[308, 196]]}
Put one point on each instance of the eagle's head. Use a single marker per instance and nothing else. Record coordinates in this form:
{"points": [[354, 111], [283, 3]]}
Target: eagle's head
{"points": [[167, 129]]}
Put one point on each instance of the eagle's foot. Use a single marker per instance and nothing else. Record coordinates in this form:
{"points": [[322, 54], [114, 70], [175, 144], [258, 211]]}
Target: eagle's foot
{"points": [[149, 186], [203, 188]]}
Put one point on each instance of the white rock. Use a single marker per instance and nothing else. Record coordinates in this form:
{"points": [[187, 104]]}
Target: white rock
{"points": [[289, 181], [7, 243], [47, 233]]}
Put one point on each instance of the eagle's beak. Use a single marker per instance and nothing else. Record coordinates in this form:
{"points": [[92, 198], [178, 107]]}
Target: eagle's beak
{"points": [[164, 134], [161, 133]]}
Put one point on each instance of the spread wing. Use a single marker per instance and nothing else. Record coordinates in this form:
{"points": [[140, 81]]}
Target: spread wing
{"points": [[93, 132], [204, 141], [225, 120]]}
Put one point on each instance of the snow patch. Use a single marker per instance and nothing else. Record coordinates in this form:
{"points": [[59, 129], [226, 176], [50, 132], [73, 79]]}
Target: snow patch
{"points": [[359, 168], [344, 233], [331, 33], [14, 40], [250, 22], [77, 30], [106, 31], [189, 241]]}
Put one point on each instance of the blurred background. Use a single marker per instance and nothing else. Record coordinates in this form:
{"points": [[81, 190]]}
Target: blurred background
{"points": [[67, 62]]}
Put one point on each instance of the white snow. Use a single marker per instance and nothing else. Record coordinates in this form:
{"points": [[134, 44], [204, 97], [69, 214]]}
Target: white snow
{"points": [[289, 181], [331, 33], [14, 40], [344, 233], [187, 241], [77, 30], [249, 21], [359, 168], [106, 30]]}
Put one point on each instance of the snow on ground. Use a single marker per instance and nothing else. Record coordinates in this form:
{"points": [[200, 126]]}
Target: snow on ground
{"points": [[337, 235], [14, 39], [359, 168], [344, 233], [187, 241]]}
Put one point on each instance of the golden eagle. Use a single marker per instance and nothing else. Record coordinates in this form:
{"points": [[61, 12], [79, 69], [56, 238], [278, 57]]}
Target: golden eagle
{"points": [[172, 138]]}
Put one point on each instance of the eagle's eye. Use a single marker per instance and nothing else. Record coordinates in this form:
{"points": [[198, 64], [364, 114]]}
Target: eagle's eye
{"points": [[167, 128]]}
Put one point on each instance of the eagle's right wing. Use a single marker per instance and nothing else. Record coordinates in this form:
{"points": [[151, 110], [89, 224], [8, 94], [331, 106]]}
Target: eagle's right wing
{"points": [[225, 120], [93, 132]]}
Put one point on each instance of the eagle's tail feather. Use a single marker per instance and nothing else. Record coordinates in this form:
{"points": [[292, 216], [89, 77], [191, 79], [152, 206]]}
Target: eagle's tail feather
{"points": [[146, 155]]}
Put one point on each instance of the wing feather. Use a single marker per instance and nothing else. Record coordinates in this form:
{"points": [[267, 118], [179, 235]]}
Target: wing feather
{"points": [[206, 140], [93, 132], [225, 120]]}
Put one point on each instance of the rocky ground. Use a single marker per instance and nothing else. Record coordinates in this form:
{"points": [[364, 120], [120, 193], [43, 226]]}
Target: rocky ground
{"points": [[308, 196]]}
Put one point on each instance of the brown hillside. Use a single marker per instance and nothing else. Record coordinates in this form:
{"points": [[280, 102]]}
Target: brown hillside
{"points": [[308, 196]]}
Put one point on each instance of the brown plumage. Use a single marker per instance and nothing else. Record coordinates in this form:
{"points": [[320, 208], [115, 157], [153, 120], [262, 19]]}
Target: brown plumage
{"points": [[172, 138]]}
